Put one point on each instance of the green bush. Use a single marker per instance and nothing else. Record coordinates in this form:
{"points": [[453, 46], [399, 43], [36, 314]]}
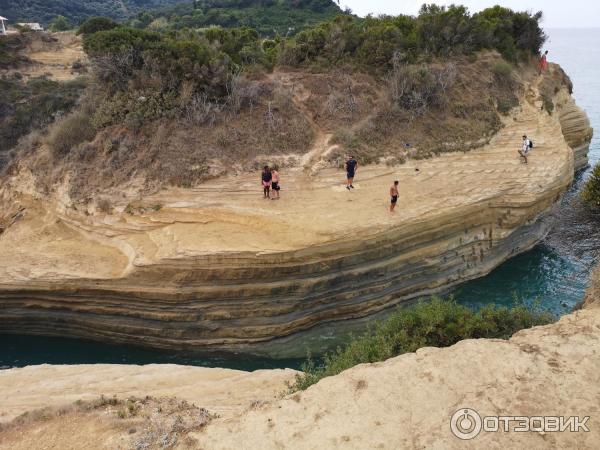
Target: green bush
{"points": [[346, 138], [69, 132], [591, 190], [32, 104], [505, 105], [270, 18], [95, 24], [503, 71], [60, 23], [437, 323], [119, 40]]}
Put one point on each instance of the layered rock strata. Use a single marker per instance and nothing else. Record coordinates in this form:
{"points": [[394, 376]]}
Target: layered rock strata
{"points": [[218, 267], [576, 128], [405, 402]]}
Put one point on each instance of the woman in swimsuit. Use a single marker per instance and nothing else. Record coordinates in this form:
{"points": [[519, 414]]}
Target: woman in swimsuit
{"points": [[266, 181], [275, 183]]}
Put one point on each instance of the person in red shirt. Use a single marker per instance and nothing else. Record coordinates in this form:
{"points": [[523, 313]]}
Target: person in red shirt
{"points": [[543, 62]]}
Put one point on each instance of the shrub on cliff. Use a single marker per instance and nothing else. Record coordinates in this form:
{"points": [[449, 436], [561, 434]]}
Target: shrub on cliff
{"points": [[69, 132], [59, 23], [95, 24], [29, 104], [591, 190], [438, 323]]}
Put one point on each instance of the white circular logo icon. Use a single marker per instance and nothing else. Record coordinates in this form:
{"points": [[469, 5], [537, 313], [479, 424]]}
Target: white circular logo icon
{"points": [[465, 424]]}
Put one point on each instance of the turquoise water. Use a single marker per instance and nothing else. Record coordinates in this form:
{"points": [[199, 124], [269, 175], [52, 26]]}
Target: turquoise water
{"points": [[556, 272]]}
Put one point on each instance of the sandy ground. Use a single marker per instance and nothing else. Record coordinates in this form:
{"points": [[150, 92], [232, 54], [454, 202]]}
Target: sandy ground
{"points": [[56, 61], [221, 391]]}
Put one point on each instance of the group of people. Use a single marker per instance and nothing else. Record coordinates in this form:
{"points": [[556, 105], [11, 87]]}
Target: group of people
{"points": [[270, 175], [270, 182], [352, 167]]}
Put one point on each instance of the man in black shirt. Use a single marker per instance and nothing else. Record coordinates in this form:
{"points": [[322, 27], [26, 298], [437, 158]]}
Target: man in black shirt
{"points": [[266, 178], [351, 166]]}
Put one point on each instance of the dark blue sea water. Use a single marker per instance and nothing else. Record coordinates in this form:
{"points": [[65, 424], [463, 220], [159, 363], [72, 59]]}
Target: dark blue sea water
{"points": [[556, 272]]}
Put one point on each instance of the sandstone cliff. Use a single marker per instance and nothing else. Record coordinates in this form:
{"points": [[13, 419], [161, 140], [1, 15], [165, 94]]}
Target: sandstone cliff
{"points": [[405, 402], [219, 267], [576, 128]]}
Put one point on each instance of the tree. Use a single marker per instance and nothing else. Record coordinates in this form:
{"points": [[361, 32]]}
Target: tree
{"points": [[591, 190], [60, 23], [95, 24]]}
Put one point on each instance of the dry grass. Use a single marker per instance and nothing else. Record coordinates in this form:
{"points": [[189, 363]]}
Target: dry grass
{"points": [[142, 423], [180, 152], [450, 113], [69, 132]]}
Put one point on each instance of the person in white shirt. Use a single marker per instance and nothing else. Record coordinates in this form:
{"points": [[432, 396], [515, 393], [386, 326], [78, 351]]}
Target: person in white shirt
{"points": [[525, 148]]}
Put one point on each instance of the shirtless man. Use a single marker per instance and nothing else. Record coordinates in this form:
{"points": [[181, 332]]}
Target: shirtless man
{"points": [[394, 195]]}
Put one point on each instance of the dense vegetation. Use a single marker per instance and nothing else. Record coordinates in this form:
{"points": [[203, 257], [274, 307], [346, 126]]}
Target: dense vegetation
{"points": [[268, 17], [436, 31], [76, 11], [205, 60], [213, 79], [27, 105], [438, 323], [144, 72], [60, 23]]}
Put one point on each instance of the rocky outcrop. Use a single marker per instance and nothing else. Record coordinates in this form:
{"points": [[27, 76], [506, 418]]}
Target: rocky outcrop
{"points": [[408, 401], [576, 128], [219, 267], [405, 402]]}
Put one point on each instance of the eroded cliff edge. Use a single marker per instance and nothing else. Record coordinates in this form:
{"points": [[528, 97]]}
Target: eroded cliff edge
{"points": [[219, 267], [404, 402]]}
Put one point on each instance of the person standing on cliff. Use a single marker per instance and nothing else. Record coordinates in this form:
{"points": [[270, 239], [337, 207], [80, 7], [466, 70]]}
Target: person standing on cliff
{"points": [[525, 148], [351, 166], [266, 178], [543, 62], [275, 183], [394, 196]]}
